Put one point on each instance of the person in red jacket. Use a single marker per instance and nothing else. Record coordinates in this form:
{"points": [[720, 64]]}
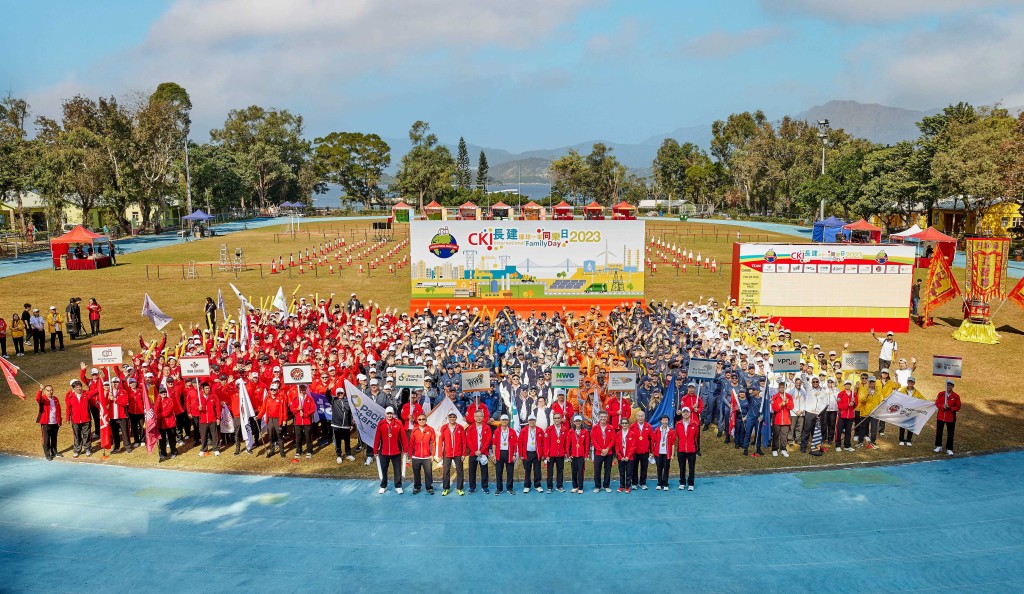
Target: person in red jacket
{"points": [[274, 414], [478, 443], [602, 438], [388, 445], [556, 443], [166, 422], [625, 449], [846, 402], [422, 443], [687, 430], [207, 410], [948, 403], [663, 440], [136, 411], [641, 430], [77, 404], [451, 447], [118, 403], [503, 452], [49, 420], [303, 406], [782, 404], [531, 452], [579, 448]]}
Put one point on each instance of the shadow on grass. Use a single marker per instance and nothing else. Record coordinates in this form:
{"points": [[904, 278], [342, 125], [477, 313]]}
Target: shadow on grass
{"points": [[1009, 330]]}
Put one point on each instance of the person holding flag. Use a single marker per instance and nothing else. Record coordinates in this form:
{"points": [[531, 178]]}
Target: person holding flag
{"points": [[77, 404], [579, 447], [663, 440], [910, 389], [49, 420]]}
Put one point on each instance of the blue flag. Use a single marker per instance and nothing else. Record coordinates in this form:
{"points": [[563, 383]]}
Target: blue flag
{"points": [[665, 408]]}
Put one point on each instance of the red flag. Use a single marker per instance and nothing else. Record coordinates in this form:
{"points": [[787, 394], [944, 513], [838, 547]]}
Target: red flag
{"points": [[734, 405], [152, 431], [1016, 295], [106, 438], [9, 372]]}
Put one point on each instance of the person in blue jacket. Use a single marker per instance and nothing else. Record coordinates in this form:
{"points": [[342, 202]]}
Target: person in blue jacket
{"points": [[755, 408]]}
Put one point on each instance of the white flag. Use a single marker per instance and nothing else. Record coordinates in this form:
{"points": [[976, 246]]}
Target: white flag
{"points": [[151, 311], [245, 302], [243, 327], [905, 411], [439, 415], [366, 412], [245, 412], [279, 303], [220, 305]]}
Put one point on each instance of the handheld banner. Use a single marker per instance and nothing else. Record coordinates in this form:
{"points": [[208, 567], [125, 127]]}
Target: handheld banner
{"points": [[194, 366], [107, 354], [702, 369], [299, 373], [786, 361], [476, 380], [565, 377], [621, 381]]}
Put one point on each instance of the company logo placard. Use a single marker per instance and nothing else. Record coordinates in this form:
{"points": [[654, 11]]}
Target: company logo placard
{"points": [[856, 361], [621, 381], [944, 366], [298, 373], [409, 376], [786, 361], [107, 354], [702, 369], [565, 377], [476, 380], [194, 366]]}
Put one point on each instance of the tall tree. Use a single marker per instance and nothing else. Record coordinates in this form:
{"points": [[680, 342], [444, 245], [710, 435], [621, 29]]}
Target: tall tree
{"points": [[463, 176], [15, 155], [176, 95], [356, 162], [482, 169], [427, 169], [605, 173], [570, 177], [729, 144]]}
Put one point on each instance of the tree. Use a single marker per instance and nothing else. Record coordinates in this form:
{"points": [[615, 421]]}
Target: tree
{"points": [[934, 138], [730, 141], [176, 95], [15, 155], [428, 168], [354, 161], [268, 149], [463, 176], [215, 177], [889, 186], [1012, 169], [482, 170], [569, 175], [605, 173]]}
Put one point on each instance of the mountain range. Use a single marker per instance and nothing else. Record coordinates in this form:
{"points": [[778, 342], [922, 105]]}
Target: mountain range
{"points": [[878, 123]]}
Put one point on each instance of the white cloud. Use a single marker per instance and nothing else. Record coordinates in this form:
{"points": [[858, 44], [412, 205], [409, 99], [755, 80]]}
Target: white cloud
{"points": [[878, 11], [722, 44]]}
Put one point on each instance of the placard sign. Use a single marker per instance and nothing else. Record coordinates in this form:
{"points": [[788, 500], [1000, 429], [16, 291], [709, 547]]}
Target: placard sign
{"points": [[409, 376], [621, 381], [194, 366], [785, 361], [702, 369], [476, 380], [856, 361], [565, 377], [106, 354], [298, 373], [947, 366]]}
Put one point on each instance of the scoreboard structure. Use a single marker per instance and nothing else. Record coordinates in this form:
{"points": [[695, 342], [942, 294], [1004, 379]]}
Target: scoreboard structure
{"points": [[826, 287]]}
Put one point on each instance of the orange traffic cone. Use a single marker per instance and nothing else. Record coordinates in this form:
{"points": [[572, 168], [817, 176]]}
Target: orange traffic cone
{"points": [[273, 267], [707, 263], [300, 269], [714, 265]]}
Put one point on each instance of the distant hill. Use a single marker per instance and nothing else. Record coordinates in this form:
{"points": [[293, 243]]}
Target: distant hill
{"points": [[877, 123]]}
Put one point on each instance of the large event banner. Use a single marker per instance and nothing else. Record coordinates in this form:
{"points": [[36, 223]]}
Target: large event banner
{"points": [[538, 260], [826, 287], [987, 258]]}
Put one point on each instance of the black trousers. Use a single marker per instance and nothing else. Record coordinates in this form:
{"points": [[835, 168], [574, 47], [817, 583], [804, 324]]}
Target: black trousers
{"points": [[83, 440], [422, 466], [828, 426], [135, 423], [579, 464], [395, 462], [303, 435], [687, 461], [237, 421], [950, 427], [531, 469], [446, 475], [3, 346], [906, 435], [167, 437], [503, 469], [662, 463], [208, 437], [95, 414], [556, 472], [95, 326], [342, 435], [119, 428], [625, 473], [602, 469], [54, 338], [49, 439], [38, 341], [844, 433], [474, 463], [274, 435], [639, 469], [809, 420], [19, 345]]}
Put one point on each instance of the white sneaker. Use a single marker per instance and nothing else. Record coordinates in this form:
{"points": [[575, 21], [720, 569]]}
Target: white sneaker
{"points": [[607, 490], [682, 488], [216, 452], [308, 455], [690, 488], [526, 489], [657, 487], [367, 462], [339, 459], [399, 490], [597, 490], [785, 454], [350, 458], [937, 449], [902, 443], [382, 491], [849, 449], [949, 452], [643, 487], [856, 440], [775, 453]]}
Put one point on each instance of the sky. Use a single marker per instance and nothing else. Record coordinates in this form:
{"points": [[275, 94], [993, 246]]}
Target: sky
{"points": [[516, 74]]}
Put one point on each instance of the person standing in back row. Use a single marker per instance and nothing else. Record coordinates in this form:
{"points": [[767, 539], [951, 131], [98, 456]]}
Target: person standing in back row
{"points": [[948, 403], [94, 316], [887, 351]]}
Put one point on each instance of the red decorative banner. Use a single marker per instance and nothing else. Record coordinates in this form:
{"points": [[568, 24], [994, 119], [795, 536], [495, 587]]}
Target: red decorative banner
{"points": [[939, 288], [987, 258]]}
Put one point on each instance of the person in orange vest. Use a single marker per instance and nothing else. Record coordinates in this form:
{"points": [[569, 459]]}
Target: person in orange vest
{"points": [[625, 449], [687, 430], [948, 403], [422, 443], [388, 445], [451, 447], [602, 438], [579, 447]]}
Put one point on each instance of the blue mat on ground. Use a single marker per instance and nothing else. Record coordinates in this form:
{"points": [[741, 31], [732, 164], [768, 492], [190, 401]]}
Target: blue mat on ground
{"points": [[949, 525]]}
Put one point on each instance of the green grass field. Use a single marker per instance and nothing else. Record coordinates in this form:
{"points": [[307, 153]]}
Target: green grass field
{"points": [[989, 419]]}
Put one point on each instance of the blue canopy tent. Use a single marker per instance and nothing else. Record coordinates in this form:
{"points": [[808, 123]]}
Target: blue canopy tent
{"points": [[826, 231], [198, 216]]}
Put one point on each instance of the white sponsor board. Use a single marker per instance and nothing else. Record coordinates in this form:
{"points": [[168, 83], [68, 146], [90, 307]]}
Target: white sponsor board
{"points": [[621, 381], [194, 366], [565, 377], [409, 376], [785, 361], [107, 354], [856, 361], [476, 380], [299, 373], [702, 369], [945, 366]]}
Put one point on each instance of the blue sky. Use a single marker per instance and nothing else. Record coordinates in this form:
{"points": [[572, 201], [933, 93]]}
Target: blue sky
{"points": [[521, 74]]}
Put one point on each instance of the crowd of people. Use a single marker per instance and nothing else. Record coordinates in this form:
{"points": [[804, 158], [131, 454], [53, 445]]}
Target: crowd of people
{"points": [[519, 421], [33, 327]]}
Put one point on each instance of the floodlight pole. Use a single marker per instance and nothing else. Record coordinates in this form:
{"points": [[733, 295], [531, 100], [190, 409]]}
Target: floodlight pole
{"points": [[823, 129]]}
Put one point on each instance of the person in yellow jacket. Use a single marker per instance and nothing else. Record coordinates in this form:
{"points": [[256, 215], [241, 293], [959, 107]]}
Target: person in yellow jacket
{"points": [[886, 386], [867, 430], [55, 326], [18, 335], [906, 436]]}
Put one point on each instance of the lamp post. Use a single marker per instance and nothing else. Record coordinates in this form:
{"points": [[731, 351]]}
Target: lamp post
{"points": [[823, 129]]}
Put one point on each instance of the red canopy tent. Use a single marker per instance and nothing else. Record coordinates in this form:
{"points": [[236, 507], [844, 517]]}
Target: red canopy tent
{"points": [[945, 245], [624, 211], [562, 211], [502, 211], [434, 211], [862, 227], [593, 212], [60, 247], [533, 212], [469, 212]]}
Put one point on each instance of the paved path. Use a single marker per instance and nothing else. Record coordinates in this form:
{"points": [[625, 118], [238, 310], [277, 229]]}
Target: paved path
{"points": [[947, 526]]}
